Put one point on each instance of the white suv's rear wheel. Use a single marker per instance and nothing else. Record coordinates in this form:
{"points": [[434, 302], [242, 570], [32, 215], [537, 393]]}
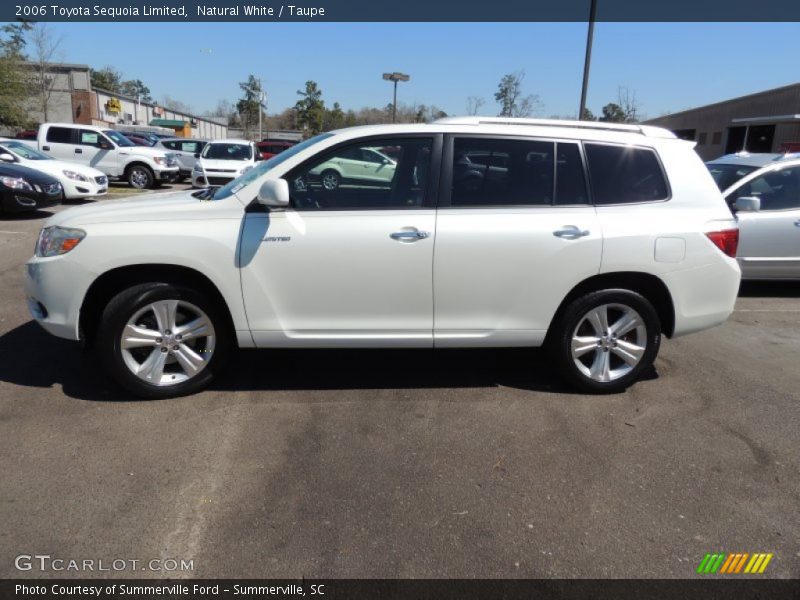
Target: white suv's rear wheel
{"points": [[159, 340], [606, 340]]}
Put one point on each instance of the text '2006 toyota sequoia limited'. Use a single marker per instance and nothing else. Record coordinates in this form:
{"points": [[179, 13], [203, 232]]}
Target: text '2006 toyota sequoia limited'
{"points": [[592, 239]]}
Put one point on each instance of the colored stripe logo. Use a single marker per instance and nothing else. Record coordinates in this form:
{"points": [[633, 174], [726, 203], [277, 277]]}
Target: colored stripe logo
{"points": [[735, 563]]}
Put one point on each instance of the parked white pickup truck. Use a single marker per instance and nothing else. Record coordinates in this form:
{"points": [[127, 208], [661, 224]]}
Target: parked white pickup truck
{"points": [[108, 151]]}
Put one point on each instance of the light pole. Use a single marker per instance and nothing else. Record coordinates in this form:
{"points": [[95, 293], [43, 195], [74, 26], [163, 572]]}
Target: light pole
{"points": [[395, 77], [588, 60]]}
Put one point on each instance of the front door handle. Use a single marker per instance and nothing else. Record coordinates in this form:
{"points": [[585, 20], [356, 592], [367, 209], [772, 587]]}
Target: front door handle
{"points": [[46, 148], [78, 151], [797, 223], [410, 235], [570, 232]]}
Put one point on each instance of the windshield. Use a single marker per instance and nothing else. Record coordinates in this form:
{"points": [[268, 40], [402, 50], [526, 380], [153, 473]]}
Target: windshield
{"points": [[25, 151], [228, 151], [119, 139], [262, 167], [726, 175]]}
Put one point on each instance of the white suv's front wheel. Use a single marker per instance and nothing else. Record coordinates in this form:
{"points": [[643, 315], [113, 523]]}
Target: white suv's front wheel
{"points": [[605, 340], [159, 340]]}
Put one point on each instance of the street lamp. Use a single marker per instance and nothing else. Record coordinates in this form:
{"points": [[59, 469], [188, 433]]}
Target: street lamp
{"points": [[395, 77], [588, 58]]}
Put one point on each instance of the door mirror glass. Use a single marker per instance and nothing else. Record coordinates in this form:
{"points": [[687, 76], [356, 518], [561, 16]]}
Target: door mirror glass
{"points": [[747, 204], [104, 144], [274, 193], [6, 157]]}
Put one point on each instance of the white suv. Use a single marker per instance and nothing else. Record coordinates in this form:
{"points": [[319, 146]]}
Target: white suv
{"points": [[593, 239], [222, 161]]}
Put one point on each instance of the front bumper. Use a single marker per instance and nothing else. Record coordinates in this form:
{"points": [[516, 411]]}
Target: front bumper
{"points": [[84, 189], [16, 201], [166, 173], [54, 289]]}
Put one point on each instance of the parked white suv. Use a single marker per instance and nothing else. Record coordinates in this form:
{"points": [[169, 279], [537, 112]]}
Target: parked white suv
{"points": [[593, 239], [108, 151], [222, 161]]}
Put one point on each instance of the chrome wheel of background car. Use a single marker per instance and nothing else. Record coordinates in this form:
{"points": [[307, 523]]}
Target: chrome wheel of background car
{"points": [[139, 178], [330, 180], [609, 341], [167, 342]]}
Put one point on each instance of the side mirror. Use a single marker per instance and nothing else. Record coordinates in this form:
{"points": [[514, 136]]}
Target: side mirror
{"points": [[747, 204], [104, 145], [197, 155], [6, 157], [274, 193]]}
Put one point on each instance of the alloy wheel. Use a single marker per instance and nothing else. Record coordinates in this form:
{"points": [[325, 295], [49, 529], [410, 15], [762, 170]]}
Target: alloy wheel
{"points": [[167, 342], [609, 342]]}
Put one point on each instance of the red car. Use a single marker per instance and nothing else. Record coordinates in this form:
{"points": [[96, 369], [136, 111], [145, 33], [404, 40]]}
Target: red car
{"points": [[790, 147], [268, 149]]}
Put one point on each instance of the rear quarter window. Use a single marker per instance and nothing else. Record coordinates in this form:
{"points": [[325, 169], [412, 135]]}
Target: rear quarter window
{"points": [[625, 174]]}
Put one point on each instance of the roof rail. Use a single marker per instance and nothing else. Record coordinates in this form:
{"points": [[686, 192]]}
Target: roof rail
{"points": [[647, 130]]}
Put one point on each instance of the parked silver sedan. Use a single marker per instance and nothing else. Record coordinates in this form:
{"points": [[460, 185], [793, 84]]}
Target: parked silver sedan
{"points": [[763, 190]]}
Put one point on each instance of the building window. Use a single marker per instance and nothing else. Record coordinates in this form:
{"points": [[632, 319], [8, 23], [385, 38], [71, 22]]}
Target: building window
{"points": [[701, 139], [716, 139]]}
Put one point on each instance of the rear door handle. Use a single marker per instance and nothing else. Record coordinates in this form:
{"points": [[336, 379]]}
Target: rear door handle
{"points": [[797, 223], [411, 235], [78, 151], [570, 232]]}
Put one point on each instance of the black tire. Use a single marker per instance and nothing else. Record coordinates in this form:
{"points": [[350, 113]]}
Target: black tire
{"points": [[140, 177], [333, 177], [126, 305], [575, 315]]}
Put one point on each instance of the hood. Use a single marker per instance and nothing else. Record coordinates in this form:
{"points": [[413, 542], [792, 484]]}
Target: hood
{"points": [[144, 151], [30, 175], [172, 206], [57, 168]]}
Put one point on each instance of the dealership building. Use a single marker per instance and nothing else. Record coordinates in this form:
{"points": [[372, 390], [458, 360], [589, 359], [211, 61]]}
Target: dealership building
{"points": [[72, 100], [767, 121]]}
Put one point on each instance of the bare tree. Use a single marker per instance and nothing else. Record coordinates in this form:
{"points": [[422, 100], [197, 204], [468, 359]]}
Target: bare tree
{"points": [[474, 105], [172, 104], [45, 45], [511, 99], [626, 100]]}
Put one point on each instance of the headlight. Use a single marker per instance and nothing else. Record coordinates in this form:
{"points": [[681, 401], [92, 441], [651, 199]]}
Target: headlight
{"points": [[197, 167], [58, 240], [160, 160], [245, 170], [16, 183], [75, 176]]}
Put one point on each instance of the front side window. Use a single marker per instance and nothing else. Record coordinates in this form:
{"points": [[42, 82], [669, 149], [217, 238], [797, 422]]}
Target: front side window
{"points": [[363, 176], [777, 190], [89, 138], [625, 174]]}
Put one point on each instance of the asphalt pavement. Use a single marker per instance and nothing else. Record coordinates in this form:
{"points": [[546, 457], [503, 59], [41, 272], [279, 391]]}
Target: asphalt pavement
{"points": [[458, 463]]}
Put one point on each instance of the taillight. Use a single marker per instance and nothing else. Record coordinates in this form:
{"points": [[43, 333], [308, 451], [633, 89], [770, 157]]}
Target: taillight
{"points": [[726, 240]]}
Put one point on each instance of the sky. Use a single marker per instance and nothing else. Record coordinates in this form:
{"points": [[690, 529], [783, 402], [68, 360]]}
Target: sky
{"points": [[670, 66]]}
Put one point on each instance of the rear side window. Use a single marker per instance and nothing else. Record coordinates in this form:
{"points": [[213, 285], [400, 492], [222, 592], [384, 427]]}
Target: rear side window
{"points": [[59, 135], [624, 174], [502, 172], [171, 145]]}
